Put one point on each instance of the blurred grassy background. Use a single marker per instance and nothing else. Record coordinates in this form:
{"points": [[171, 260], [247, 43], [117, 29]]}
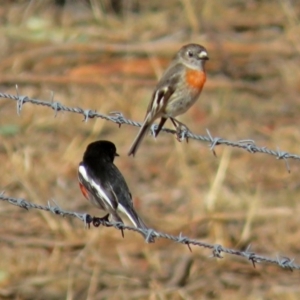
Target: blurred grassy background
{"points": [[107, 55]]}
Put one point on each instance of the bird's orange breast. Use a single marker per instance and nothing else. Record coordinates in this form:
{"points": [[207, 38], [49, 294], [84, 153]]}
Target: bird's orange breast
{"points": [[195, 79]]}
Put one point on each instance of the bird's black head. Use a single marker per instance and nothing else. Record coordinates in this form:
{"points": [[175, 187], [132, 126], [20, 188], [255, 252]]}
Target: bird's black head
{"points": [[104, 150]]}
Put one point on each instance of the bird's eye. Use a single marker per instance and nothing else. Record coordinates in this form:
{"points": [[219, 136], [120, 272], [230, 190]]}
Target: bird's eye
{"points": [[190, 53]]}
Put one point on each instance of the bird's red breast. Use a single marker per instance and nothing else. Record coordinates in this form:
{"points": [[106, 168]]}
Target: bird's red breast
{"points": [[84, 191], [195, 78]]}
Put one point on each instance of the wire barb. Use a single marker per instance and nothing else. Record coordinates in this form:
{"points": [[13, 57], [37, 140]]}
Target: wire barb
{"points": [[184, 240], [283, 155], [150, 238], [217, 251], [118, 118], [21, 203], [20, 103], [252, 258], [214, 142], [286, 263]]}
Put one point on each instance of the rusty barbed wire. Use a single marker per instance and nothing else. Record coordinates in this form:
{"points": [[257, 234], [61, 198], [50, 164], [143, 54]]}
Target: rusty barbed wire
{"points": [[118, 118], [151, 234]]}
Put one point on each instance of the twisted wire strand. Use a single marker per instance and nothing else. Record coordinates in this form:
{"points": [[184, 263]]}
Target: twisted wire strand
{"points": [[151, 234], [118, 118]]}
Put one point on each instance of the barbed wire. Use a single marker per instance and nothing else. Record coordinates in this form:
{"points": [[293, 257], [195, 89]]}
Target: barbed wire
{"points": [[151, 234], [118, 118]]}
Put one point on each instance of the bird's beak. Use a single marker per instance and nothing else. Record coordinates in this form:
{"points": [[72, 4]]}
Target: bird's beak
{"points": [[203, 55], [116, 154]]}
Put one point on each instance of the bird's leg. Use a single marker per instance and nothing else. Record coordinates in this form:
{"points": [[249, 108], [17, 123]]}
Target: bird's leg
{"points": [[181, 130], [160, 125], [98, 221]]}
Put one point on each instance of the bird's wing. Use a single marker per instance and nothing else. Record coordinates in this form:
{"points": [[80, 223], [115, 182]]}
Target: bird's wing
{"points": [[165, 88], [92, 188]]}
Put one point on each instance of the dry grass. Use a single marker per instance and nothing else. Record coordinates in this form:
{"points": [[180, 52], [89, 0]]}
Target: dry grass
{"points": [[93, 58]]}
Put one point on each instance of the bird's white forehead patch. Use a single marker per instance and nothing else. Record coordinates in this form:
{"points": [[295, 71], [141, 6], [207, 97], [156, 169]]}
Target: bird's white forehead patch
{"points": [[202, 54]]}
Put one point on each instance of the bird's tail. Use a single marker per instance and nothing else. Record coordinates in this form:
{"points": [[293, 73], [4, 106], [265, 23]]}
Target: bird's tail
{"points": [[140, 136], [136, 220]]}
